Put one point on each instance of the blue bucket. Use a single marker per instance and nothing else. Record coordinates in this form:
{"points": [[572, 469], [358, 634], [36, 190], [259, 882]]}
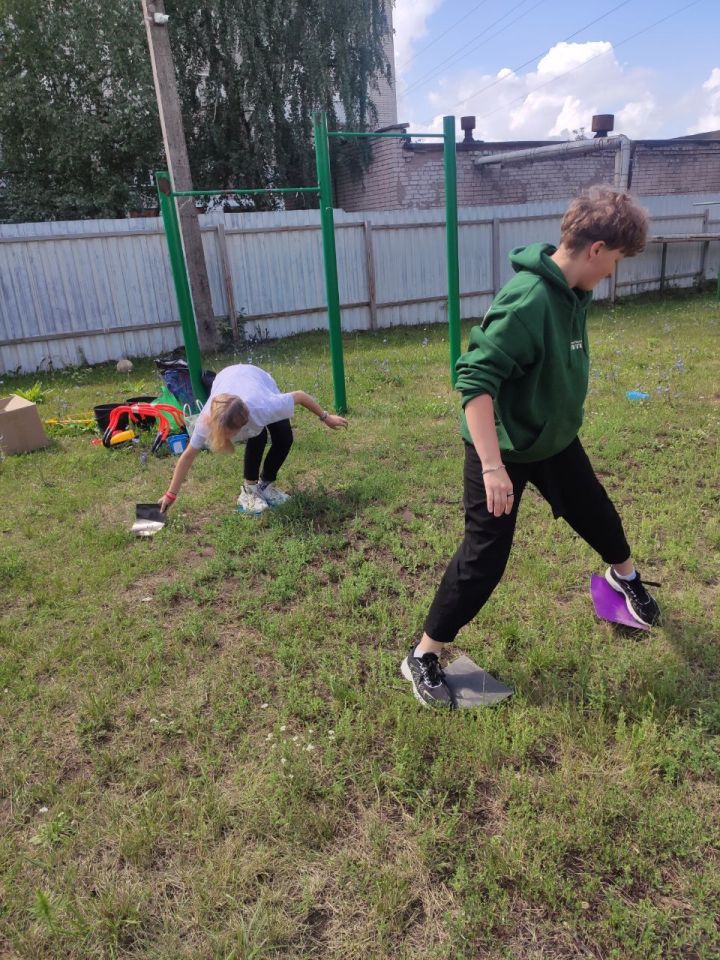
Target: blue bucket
{"points": [[177, 443]]}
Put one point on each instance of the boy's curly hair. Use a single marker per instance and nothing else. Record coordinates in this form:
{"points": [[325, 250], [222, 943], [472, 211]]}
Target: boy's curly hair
{"points": [[602, 213]]}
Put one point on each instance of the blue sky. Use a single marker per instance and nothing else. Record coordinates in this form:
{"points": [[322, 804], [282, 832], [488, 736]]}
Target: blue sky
{"points": [[663, 83]]}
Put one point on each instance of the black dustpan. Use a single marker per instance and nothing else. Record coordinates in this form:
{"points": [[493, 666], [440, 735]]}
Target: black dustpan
{"points": [[149, 518]]}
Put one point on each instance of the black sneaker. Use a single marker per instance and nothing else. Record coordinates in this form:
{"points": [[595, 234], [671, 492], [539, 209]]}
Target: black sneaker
{"points": [[428, 680], [641, 605]]}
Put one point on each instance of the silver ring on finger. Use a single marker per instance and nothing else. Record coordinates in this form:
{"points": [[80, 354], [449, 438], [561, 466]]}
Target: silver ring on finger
{"points": [[508, 495]]}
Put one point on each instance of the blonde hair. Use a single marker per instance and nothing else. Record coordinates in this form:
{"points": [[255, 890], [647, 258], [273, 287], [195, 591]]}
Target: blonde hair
{"points": [[602, 213], [228, 414]]}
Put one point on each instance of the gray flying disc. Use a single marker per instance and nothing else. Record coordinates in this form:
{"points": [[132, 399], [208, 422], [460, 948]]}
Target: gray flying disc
{"points": [[473, 686]]}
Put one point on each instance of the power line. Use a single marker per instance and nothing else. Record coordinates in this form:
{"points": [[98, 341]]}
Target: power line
{"points": [[542, 53], [585, 63], [454, 56], [441, 35]]}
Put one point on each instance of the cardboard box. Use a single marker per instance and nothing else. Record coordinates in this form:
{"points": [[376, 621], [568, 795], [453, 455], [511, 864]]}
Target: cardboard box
{"points": [[21, 429]]}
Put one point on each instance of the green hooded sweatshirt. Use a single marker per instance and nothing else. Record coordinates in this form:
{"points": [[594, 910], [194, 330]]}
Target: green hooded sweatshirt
{"points": [[530, 353]]}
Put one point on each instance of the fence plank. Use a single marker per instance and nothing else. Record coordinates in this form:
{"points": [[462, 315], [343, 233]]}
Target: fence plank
{"points": [[370, 261]]}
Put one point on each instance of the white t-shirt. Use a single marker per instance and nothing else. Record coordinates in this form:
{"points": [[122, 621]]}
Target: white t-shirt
{"points": [[259, 391]]}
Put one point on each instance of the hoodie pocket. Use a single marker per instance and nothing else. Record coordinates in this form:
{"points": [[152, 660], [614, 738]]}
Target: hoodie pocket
{"points": [[539, 443], [534, 448]]}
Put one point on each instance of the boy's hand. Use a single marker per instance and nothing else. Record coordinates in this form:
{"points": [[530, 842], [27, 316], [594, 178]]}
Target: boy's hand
{"points": [[166, 502], [333, 421], [499, 492]]}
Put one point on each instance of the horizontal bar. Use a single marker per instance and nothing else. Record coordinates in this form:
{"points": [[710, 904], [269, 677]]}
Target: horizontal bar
{"points": [[678, 216], [668, 278], [435, 299], [78, 334], [158, 231], [301, 312], [95, 235], [289, 228], [304, 311], [163, 324], [685, 238], [398, 136], [240, 190]]}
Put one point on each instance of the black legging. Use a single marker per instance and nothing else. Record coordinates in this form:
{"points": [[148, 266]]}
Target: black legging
{"points": [[568, 482], [281, 438]]}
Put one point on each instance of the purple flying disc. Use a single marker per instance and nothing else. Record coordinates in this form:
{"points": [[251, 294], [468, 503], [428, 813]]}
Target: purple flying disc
{"points": [[610, 605]]}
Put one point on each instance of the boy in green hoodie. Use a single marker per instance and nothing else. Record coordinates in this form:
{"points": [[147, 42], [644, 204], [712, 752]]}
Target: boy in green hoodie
{"points": [[523, 383]]}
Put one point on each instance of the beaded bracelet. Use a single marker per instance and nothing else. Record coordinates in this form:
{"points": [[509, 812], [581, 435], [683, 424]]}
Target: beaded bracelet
{"points": [[493, 469]]}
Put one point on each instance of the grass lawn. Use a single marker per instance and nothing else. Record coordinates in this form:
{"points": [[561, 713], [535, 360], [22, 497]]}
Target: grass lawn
{"points": [[207, 747]]}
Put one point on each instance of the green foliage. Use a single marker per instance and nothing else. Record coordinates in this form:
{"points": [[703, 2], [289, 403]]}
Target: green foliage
{"points": [[281, 60], [78, 118], [35, 394], [53, 831]]}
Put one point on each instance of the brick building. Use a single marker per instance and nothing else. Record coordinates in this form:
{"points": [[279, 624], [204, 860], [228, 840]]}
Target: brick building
{"points": [[404, 174]]}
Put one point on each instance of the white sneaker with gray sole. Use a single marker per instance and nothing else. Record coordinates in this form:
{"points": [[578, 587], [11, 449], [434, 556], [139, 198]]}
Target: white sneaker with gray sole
{"points": [[251, 502]]}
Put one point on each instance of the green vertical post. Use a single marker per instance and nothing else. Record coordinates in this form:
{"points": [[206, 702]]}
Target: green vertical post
{"points": [[327, 225], [451, 234], [171, 223]]}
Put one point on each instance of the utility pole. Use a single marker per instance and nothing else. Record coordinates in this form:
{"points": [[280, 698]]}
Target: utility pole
{"points": [[163, 68]]}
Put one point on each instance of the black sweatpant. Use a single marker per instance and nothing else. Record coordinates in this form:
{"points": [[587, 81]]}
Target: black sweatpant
{"points": [[281, 439], [568, 482]]}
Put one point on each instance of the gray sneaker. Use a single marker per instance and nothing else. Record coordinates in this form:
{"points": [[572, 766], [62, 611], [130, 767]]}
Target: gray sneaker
{"points": [[271, 495], [428, 680]]}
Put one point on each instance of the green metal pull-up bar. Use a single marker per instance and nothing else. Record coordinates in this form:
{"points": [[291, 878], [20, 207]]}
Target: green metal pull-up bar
{"points": [[327, 225], [168, 208], [400, 136], [451, 219], [242, 191]]}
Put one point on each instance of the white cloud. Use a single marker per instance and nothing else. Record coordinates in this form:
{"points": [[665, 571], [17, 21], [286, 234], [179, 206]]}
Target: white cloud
{"points": [[709, 99], [571, 82], [410, 21], [566, 56], [639, 118]]}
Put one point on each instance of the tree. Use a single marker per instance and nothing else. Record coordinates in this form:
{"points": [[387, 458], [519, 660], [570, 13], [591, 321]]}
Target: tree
{"points": [[252, 73], [78, 122]]}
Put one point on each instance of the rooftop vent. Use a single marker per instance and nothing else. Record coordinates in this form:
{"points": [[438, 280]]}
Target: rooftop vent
{"points": [[602, 124], [468, 125]]}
